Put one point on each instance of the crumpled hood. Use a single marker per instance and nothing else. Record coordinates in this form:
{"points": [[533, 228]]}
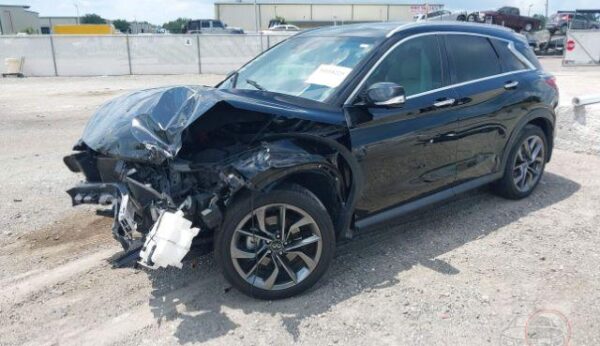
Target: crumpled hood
{"points": [[147, 125]]}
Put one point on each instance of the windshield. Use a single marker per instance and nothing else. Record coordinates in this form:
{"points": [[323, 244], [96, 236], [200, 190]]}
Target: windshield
{"points": [[309, 67]]}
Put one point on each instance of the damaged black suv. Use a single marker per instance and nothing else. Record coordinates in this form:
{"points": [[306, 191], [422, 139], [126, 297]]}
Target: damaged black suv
{"points": [[331, 132]]}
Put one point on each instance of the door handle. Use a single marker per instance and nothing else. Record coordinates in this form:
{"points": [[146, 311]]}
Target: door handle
{"points": [[443, 102], [511, 85]]}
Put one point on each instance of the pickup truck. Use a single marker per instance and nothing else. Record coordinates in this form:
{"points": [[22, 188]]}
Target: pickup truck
{"points": [[506, 16]]}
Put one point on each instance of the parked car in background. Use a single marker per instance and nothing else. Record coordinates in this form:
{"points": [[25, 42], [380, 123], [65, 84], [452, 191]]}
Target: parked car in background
{"points": [[334, 131], [506, 16], [282, 29], [442, 15], [561, 21], [209, 26]]}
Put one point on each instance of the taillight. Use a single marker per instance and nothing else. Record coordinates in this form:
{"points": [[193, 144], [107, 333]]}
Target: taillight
{"points": [[551, 81], [570, 45]]}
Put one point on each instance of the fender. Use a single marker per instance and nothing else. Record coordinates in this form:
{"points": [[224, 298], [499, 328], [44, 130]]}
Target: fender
{"points": [[286, 162], [547, 114]]}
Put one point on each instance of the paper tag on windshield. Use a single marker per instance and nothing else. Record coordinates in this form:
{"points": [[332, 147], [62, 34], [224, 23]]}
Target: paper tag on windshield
{"points": [[329, 75]]}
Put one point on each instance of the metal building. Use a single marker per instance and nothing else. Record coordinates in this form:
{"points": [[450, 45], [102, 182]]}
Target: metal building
{"points": [[17, 18], [306, 14], [46, 23]]}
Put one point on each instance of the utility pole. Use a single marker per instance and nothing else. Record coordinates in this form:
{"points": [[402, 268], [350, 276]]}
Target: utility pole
{"points": [[546, 14], [77, 8]]}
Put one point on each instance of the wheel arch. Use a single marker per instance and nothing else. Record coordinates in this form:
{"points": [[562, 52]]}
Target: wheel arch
{"points": [[337, 183], [541, 117]]}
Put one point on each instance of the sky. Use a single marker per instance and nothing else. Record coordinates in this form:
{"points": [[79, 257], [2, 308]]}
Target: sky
{"points": [[161, 11]]}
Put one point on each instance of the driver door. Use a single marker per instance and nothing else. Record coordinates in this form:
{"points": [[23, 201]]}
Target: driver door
{"points": [[407, 150]]}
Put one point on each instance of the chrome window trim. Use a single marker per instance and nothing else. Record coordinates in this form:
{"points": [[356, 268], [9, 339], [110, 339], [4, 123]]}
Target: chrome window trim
{"points": [[510, 44]]}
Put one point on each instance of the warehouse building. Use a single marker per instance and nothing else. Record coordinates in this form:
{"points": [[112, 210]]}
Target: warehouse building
{"points": [[248, 15], [17, 18], [46, 23]]}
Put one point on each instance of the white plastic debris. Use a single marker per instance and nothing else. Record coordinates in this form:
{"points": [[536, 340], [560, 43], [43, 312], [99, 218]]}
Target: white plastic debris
{"points": [[168, 241]]}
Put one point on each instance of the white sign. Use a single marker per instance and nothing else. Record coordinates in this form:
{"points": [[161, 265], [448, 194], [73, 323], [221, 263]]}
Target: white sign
{"points": [[329, 75]]}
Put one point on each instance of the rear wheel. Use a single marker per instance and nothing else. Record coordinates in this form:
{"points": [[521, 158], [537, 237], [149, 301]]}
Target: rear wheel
{"points": [[471, 18], [525, 165], [528, 27], [275, 245]]}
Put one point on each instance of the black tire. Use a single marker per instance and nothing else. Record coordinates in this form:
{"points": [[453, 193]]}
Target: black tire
{"points": [[506, 186], [294, 196], [461, 18], [528, 27], [472, 18]]}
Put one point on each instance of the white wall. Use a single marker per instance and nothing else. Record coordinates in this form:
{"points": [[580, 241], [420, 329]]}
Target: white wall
{"points": [[36, 50], [238, 15], [327, 12], [87, 55], [370, 12]]}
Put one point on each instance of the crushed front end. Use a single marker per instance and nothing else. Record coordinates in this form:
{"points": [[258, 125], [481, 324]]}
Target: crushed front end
{"points": [[169, 161]]}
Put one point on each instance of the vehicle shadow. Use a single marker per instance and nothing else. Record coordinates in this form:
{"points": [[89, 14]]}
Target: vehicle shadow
{"points": [[203, 301]]}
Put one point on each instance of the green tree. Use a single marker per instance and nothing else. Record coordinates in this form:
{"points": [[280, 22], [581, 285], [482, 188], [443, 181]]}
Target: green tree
{"points": [[175, 26], [122, 25], [92, 18], [542, 19]]}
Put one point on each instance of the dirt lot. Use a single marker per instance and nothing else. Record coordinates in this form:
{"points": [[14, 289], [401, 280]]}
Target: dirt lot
{"points": [[478, 270]]}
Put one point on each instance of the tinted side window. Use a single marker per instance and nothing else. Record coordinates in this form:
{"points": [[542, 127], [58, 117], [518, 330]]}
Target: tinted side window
{"points": [[509, 61], [415, 64], [529, 54], [472, 57]]}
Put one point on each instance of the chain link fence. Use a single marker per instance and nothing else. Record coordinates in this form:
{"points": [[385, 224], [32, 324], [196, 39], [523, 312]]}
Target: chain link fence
{"points": [[86, 55]]}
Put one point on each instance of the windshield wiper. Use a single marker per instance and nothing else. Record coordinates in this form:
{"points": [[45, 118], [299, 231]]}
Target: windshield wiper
{"points": [[255, 84]]}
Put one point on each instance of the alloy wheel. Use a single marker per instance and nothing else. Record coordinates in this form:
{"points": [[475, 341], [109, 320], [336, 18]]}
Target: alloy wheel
{"points": [[276, 246], [529, 163]]}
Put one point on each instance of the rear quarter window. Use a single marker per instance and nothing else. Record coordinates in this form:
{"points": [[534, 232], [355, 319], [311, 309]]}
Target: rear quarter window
{"points": [[471, 57], [510, 62], [529, 54]]}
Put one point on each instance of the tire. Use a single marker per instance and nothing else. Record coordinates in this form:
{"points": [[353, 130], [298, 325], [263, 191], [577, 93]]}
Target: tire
{"points": [[461, 18], [281, 270], [522, 174], [528, 27], [471, 18]]}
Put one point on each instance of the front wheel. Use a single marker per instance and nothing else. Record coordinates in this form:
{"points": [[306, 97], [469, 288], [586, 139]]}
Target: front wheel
{"points": [[528, 27], [277, 244], [525, 165]]}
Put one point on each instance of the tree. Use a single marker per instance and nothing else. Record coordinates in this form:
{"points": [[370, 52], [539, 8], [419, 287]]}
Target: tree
{"points": [[92, 18], [176, 26], [542, 19], [122, 25]]}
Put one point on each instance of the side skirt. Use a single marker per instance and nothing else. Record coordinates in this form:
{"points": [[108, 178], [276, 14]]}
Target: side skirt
{"points": [[406, 208]]}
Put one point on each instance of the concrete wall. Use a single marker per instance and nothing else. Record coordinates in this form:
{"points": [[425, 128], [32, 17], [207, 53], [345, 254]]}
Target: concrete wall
{"points": [[15, 19], [88, 55]]}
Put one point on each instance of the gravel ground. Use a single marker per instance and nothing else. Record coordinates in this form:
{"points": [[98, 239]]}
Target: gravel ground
{"points": [[477, 270]]}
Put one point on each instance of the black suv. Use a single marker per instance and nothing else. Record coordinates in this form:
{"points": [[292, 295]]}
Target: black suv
{"points": [[334, 131]]}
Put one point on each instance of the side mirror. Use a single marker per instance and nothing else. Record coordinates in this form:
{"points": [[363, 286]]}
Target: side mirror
{"points": [[385, 94]]}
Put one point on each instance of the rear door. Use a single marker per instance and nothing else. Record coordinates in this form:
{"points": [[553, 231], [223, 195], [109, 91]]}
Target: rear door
{"points": [[488, 80]]}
